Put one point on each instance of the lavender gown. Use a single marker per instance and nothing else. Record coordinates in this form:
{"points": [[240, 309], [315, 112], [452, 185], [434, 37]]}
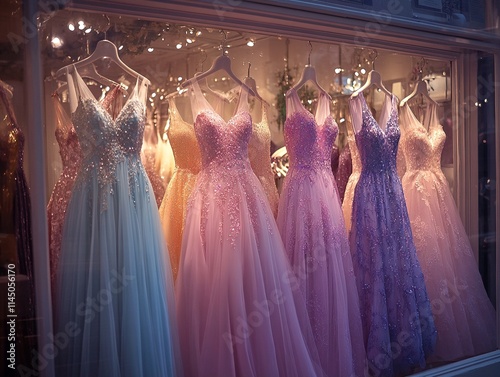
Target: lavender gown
{"points": [[312, 226], [397, 321]]}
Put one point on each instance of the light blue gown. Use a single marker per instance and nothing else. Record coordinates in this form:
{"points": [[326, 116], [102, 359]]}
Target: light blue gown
{"points": [[114, 291]]}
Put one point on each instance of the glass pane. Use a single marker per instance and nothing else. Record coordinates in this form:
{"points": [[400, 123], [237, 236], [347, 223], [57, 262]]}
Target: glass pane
{"points": [[487, 174]]}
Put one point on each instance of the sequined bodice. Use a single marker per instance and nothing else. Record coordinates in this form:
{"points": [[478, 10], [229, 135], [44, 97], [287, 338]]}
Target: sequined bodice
{"points": [[130, 124], [422, 147], [97, 134], [69, 149], [220, 141], [378, 147], [259, 147], [184, 144], [308, 144]]}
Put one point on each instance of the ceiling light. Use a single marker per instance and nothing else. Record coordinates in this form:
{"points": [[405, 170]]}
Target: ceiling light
{"points": [[56, 42], [178, 46], [250, 43], [71, 27], [88, 30], [189, 40], [151, 49], [81, 26]]}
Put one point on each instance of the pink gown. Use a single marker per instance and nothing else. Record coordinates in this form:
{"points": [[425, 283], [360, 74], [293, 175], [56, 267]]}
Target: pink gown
{"points": [[312, 227], [237, 312], [463, 313]]}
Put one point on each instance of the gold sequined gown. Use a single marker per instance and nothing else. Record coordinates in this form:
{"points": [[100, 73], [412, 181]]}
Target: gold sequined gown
{"points": [[259, 149], [187, 165]]}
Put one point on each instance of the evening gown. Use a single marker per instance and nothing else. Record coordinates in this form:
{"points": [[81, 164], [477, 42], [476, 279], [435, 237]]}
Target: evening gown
{"points": [[352, 181], [344, 170], [397, 320], [187, 165], [464, 316], [237, 312], [112, 287], [69, 150], [312, 227], [259, 149], [15, 201]]}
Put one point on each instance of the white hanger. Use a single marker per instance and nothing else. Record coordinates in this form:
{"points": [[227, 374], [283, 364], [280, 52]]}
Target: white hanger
{"points": [[309, 75], [90, 72], [420, 88], [104, 49], [375, 79], [222, 63], [250, 82]]}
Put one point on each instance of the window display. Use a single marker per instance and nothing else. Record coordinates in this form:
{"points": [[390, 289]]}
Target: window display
{"points": [[257, 217]]}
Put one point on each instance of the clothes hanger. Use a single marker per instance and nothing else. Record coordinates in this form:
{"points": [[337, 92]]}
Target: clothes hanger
{"points": [[90, 72], [221, 63], [104, 49], [309, 75], [250, 82], [420, 88], [374, 79]]}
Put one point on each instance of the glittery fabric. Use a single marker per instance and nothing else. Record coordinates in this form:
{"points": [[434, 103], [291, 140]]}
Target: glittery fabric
{"points": [[69, 150], [344, 170], [352, 181], [395, 310], [112, 252], [231, 323], [259, 149], [463, 313], [312, 228], [15, 203], [188, 163], [148, 158]]}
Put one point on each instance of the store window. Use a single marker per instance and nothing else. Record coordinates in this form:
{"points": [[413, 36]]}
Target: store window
{"points": [[169, 53]]}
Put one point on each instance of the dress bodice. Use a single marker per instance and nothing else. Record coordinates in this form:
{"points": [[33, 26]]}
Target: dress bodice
{"points": [[183, 140], [422, 143], [377, 147], [308, 143], [221, 142]]}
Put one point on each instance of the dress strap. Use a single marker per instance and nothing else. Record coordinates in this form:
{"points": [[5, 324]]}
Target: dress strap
{"points": [[8, 106], [323, 108]]}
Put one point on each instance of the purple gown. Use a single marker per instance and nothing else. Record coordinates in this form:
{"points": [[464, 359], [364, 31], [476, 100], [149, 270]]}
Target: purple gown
{"points": [[397, 321]]}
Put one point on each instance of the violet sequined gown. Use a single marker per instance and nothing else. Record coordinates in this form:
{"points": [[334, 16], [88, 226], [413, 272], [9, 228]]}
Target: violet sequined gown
{"points": [[312, 227], [397, 320], [236, 310], [463, 313], [112, 286]]}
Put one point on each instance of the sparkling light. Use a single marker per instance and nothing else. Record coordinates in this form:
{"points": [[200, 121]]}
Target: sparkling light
{"points": [[151, 49], [56, 42], [71, 27], [178, 46]]}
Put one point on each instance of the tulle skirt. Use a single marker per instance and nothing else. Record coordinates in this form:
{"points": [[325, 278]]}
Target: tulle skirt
{"points": [[173, 213], [311, 224], [463, 313], [237, 312], [267, 182], [115, 314], [397, 320]]}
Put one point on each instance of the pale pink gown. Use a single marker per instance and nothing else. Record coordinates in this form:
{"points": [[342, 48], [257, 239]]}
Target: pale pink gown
{"points": [[463, 313]]}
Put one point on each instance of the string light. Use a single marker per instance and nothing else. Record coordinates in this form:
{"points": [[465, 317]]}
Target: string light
{"points": [[178, 46], [56, 42], [71, 27], [120, 48], [250, 43], [151, 49]]}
